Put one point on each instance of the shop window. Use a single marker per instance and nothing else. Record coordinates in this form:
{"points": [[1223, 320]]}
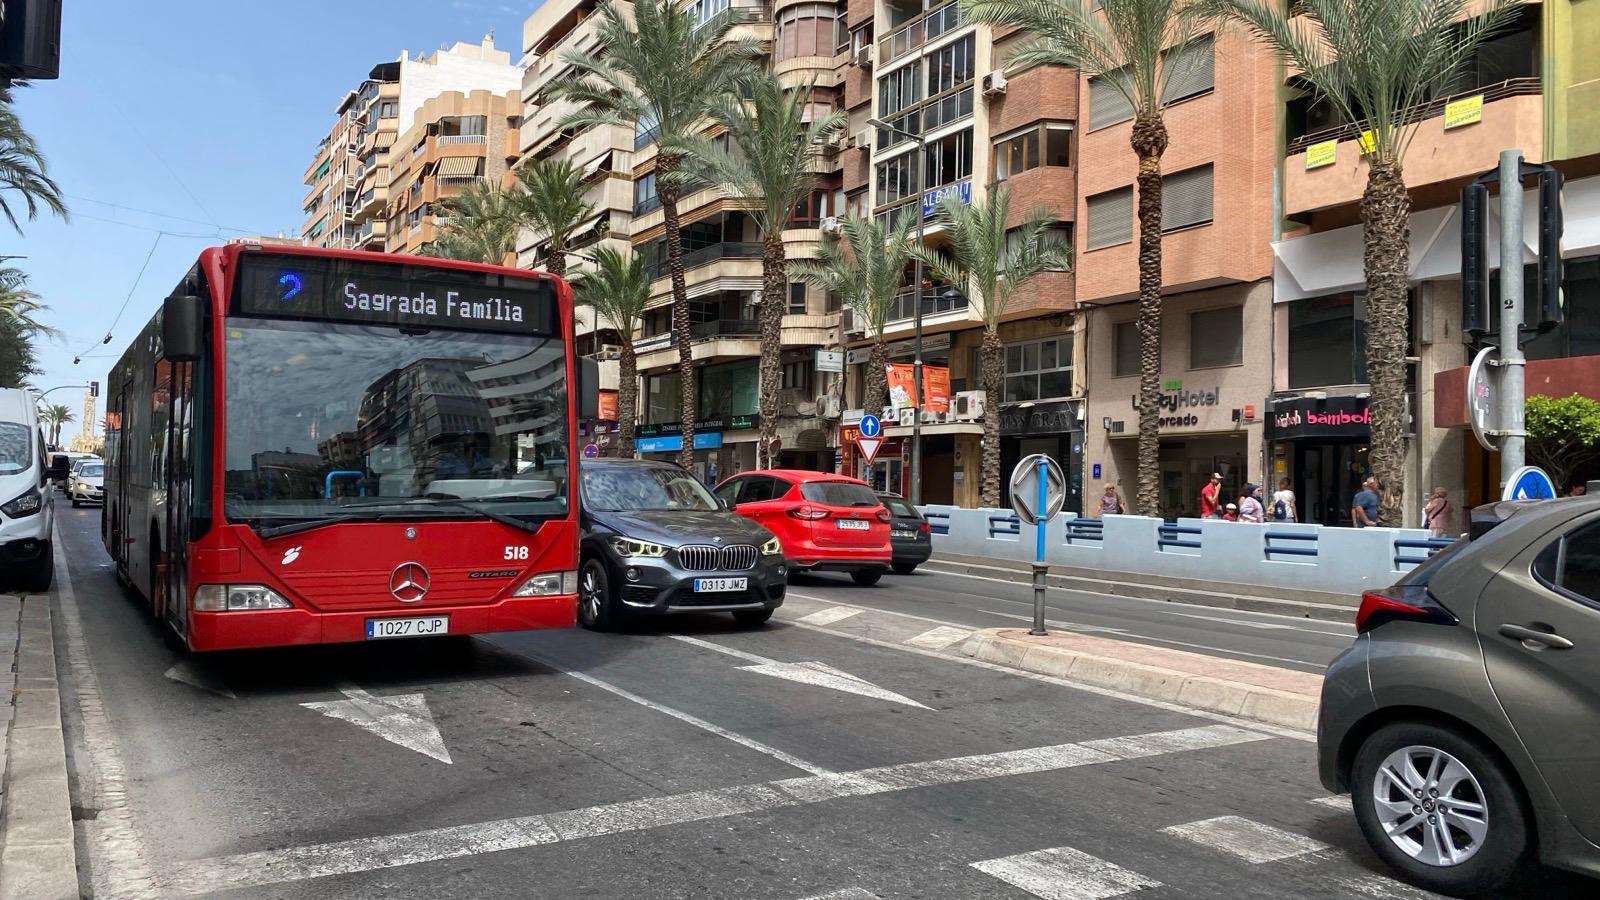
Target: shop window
{"points": [[663, 399], [1107, 105], [1190, 72], [1125, 349], [807, 29], [1216, 338], [1110, 218], [728, 390], [1186, 198], [1039, 370], [797, 298]]}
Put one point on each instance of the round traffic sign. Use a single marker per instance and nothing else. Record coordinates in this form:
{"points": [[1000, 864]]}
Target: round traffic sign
{"points": [[870, 426], [590, 451], [1529, 483], [1483, 399]]}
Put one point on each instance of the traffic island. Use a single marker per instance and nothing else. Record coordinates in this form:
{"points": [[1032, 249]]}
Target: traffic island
{"points": [[1249, 690]]}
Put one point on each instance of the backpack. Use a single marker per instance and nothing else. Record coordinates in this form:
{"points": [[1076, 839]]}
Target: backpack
{"points": [[1280, 511]]}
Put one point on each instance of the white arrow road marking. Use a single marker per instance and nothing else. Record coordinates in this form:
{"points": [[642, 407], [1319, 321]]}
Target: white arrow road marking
{"points": [[813, 673], [401, 719], [186, 672]]}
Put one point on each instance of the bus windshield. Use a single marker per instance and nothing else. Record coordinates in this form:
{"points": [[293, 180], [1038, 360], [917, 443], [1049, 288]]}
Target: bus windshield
{"points": [[342, 421]]}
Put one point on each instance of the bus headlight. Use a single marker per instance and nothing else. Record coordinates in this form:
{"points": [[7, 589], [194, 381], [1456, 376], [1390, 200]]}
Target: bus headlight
{"points": [[232, 597], [548, 584], [772, 548]]}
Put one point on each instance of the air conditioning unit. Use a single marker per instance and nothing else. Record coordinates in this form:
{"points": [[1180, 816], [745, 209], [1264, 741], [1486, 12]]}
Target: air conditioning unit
{"points": [[862, 140], [828, 406], [867, 56], [839, 140], [967, 406], [930, 417], [849, 324], [890, 414], [609, 351], [830, 225], [994, 83]]}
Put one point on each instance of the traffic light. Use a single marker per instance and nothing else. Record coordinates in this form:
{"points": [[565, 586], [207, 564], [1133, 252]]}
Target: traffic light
{"points": [[1475, 260], [1550, 312], [94, 389], [30, 39]]}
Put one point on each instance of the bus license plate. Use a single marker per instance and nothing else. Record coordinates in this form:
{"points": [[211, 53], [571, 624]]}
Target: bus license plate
{"points": [[719, 585], [424, 626], [853, 524]]}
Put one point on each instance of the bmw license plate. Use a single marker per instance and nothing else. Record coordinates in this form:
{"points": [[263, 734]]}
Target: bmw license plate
{"points": [[853, 524], [422, 626], [720, 585]]}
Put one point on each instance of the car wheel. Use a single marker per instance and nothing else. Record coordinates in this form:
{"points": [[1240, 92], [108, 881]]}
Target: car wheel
{"points": [[75, 503], [1439, 808], [904, 568], [38, 580], [752, 618], [867, 577], [595, 609]]}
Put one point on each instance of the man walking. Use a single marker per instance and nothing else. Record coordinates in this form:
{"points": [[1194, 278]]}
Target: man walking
{"points": [[1208, 497], [1364, 508]]}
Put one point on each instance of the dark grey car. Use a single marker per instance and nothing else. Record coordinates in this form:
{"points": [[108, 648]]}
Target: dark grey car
{"points": [[655, 541], [1465, 719]]}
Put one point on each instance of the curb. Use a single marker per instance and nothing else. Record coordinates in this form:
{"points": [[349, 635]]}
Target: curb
{"points": [[38, 858], [1263, 704]]}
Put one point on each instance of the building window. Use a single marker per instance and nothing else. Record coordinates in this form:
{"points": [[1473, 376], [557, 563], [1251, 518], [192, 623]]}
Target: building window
{"points": [[949, 159], [388, 109], [1190, 72], [1216, 337], [895, 177], [1186, 198], [808, 29], [1327, 341], [663, 400], [1048, 144], [950, 66], [728, 390], [797, 298], [1107, 105], [644, 195], [1039, 370], [1110, 218], [861, 38], [1125, 349], [797, 377], [898, 90], [705, 10]]}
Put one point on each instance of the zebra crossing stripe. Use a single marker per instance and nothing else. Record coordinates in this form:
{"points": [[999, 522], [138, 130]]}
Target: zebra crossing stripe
{"points": [[1250, 841], [829, 616], [1341, 802], [846, 894], [1062, 873], [939, 638]]}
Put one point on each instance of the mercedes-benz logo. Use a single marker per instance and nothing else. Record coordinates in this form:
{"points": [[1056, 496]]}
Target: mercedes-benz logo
{"points": [[409, 582]]}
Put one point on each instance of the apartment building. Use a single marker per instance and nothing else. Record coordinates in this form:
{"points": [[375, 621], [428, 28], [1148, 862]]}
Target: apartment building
{"points": [[455, 140], [1532, 87], [346, 201]]}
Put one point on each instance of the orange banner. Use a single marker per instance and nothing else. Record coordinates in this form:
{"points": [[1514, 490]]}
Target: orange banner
{"points": [[608, 406], [935, 385]]}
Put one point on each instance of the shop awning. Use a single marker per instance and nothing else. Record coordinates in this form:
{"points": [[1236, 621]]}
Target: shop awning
{"points": [[385, 139], [459, 165]]}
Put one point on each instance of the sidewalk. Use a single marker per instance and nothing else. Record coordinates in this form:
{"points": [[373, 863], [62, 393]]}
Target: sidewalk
{"points": [[1264, 693], [37, 855]]}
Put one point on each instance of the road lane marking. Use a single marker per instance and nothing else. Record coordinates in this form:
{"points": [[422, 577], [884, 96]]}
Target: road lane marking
{"points": [[402, 719], [1062, 873], [846, 894], [940, 637], [1341, 802], [264, 867], [1380, 888], [1250, 841], [1144, 637], [830, 615], [814, 673], [186, 672]]}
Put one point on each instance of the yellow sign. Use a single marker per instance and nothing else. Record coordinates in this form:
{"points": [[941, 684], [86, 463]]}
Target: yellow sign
{"points": [[1465, 111], [1367, 144], [1322, 154]]}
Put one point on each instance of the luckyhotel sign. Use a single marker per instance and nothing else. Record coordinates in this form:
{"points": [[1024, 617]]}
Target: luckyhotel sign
{"points": [[1182, 408]]}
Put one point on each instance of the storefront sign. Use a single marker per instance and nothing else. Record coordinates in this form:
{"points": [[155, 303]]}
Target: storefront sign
{"points": [[859, 356], [1308, 417], [1042, 418], [830, 361], [1179, 404], [931, 200], [1322, 154], [721, 423], [1465, 111], [672, 443], [935, 386], [930, 343], [608, 406]]}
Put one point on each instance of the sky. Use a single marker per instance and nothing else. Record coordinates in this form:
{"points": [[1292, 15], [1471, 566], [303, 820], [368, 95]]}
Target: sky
{"points": [[181, 123]]}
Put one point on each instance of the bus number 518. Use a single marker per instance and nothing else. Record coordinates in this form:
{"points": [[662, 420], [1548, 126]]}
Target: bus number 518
{"points": [[516, 553]]}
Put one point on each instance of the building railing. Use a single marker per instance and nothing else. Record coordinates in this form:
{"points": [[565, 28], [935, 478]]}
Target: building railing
{"points": [[1511, 87], [463, 139], [641, 141], [706, 255], [653, 342], [934, 301], [920, 31], [445, 181], [725, 328]]}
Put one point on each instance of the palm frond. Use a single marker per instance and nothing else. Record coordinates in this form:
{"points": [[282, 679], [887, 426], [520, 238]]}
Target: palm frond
{"points": [[616, 287], [549, 199]]}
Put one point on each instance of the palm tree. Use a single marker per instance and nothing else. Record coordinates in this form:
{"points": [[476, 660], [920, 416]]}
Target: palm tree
{"points": [[21, 305], [992, 262], [482, 226], [22, 168], [55, 415], [550, 200], [1374, 61], [771, 157], [617, 289], [865, 269], [656, 74], [1125, 44]]}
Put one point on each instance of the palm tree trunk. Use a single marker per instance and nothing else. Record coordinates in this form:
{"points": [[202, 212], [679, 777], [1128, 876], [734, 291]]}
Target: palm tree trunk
{"points": [[1385, 216], [1149, 142], [993, 355], [877, 376], [557, 263], [774, 300], [627, 399], [667, 190]]}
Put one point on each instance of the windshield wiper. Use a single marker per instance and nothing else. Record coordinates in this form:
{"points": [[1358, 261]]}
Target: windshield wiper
{"points": [[272, 531], [393, 511], [491, 515]]}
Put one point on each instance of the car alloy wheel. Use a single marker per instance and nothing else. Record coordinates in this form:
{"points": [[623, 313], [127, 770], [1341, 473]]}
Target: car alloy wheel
{"points": [[594, 601], [1430, 805]]}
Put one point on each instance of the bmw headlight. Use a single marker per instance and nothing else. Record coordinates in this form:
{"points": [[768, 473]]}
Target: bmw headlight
{"points": [[772, 548], [628, 547], [25, 505]]}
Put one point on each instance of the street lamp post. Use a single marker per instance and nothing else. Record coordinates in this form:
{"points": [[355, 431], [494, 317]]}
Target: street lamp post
{"points": [[916, 318]]}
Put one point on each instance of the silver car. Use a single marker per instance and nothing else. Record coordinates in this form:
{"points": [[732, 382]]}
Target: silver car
{"points": [[86, 482], [1465, 719]]}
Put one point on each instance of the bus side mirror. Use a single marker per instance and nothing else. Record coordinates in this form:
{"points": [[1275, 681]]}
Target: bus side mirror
{"points": [[180, 328], [588, 388]]}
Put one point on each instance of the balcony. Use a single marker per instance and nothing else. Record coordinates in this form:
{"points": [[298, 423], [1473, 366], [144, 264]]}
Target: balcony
{"points": [[702, 331], [934, 301], [448, 139], [710, 340], [926, 28], [706, 255]]}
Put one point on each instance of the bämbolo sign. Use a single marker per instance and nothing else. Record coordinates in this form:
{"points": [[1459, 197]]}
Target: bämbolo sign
{"points": [[1309, 417]]}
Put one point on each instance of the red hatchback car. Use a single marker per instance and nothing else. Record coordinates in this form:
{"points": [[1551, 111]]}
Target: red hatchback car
{"points": [[825, 522]]}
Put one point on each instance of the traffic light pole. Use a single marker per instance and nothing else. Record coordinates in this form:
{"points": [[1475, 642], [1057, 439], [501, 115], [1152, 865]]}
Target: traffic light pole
{"points": [[1514, 436]]}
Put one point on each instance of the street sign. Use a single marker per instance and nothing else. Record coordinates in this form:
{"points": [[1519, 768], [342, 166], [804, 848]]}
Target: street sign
{"points": [[868, 447], [858, 356], [590, 451], [1529, 483], [1038, 489], [830, 361], [1483, 388], [870, 426]]}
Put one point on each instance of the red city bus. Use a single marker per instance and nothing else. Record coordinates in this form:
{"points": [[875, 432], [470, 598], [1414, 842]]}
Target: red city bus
{"points": [[310, 446]]}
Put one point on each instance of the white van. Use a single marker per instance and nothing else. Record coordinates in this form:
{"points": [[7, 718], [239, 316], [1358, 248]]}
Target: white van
{"points": [[27, 505]]}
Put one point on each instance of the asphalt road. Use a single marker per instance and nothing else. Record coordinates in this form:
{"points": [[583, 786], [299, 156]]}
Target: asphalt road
{"points": [[801, 760]]}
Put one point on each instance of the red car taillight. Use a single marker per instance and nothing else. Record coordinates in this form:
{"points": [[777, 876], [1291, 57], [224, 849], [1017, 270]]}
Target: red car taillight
{"points": [[808, 512], [1403, 602], [924, 528], [883, 514]]}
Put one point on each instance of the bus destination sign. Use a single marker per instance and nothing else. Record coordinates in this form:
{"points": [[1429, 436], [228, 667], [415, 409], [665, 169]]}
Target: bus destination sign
{"points": [[397, 293]]}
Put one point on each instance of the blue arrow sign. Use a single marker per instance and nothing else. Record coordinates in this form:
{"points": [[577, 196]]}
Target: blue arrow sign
{"points": [[1529, 483], [870, 426]]}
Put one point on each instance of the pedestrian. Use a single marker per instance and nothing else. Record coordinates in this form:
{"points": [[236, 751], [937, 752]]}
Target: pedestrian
{"points": [[1579, 488], [1111, 503], [1364, 508], [1208, 497], [1437, 514], [1231, 513], [1283, 506], [1250, 509]]}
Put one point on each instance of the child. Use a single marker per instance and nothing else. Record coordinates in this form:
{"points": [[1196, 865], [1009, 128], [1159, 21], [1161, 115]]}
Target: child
{"points": [[1232, 513]]}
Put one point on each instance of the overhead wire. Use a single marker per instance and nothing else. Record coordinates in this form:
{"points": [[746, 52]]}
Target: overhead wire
{"points": [[125, 300]]}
